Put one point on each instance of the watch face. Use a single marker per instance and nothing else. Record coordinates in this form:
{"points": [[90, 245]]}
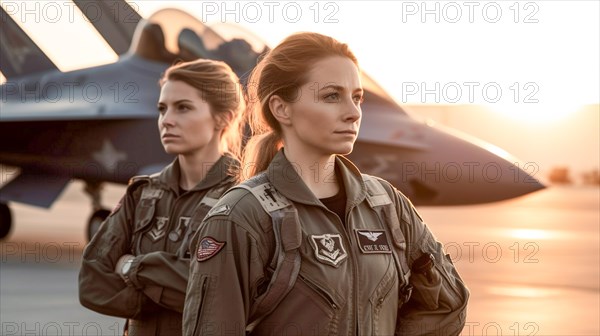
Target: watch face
{"points": [[126, 267]]}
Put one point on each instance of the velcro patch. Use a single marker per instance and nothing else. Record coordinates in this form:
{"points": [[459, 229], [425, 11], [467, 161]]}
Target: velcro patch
{"points": [[373, 241], [329, 248], [224, 209], [208, 248]]}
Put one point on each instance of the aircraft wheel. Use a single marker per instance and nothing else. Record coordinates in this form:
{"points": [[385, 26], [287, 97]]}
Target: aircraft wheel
{"points": [[5, 220], [94, 222]]}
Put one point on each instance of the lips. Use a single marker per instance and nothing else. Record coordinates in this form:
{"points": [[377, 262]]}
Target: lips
{"points": [[351, 132], [169, 136]]}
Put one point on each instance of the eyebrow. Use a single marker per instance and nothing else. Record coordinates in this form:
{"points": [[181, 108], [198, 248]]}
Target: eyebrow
{"points": [[177, 102], [339, 88]]}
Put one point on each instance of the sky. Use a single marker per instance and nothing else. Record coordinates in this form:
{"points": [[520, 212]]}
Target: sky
{"points": [[532, 65]]}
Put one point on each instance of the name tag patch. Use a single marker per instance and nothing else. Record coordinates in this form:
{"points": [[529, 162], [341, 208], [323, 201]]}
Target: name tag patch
{"points": [[373, 241]]}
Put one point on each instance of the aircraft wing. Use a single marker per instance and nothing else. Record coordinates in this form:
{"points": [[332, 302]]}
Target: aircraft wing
{"points": [[34, 188], [115, 20], [90, 149], [65, 111], [19, 55]]}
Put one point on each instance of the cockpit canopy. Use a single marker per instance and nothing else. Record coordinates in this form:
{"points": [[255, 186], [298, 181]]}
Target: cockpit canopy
{"points": [[170, 35]]}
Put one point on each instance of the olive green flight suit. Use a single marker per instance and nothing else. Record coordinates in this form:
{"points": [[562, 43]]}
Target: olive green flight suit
{"points": [[152, 222], [350, 281]]}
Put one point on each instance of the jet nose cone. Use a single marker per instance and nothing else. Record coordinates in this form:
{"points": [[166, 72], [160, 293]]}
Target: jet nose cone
{"points": [[469, 171], [434, 166]]}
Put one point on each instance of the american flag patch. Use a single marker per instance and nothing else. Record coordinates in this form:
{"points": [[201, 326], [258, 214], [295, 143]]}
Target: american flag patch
{"points": [[208, 248]]}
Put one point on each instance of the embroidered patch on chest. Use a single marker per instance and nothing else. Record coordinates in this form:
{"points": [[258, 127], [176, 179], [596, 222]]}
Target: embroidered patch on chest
{"points": [[373, 241], [159, 229], [329, 248], [208, 247]]}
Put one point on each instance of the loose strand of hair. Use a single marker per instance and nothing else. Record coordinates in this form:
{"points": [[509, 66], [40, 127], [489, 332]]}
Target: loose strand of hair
{"points": [[258, 153]]}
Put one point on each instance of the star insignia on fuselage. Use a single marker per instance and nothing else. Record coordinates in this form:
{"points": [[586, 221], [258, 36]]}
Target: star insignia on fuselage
{"points": [[109, 156]]}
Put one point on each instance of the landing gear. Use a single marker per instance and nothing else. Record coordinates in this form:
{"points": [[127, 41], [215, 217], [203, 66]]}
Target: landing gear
{"points": [[99, 214], [5, 220]]}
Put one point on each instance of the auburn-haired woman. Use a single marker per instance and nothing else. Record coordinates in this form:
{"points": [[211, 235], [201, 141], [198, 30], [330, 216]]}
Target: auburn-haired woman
{"points": [[136, 266], [309, 245]]}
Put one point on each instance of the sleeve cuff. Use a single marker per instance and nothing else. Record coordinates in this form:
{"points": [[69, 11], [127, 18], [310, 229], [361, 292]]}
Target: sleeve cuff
{"points": [[135, 267]]}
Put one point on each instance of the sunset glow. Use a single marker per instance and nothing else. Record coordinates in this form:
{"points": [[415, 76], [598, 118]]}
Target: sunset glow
{"points": [[523, 292], [532, 69], [536, 113], [531, 234]]}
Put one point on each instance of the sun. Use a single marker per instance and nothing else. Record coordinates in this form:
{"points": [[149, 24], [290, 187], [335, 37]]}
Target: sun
{"points": [[536, 113]]}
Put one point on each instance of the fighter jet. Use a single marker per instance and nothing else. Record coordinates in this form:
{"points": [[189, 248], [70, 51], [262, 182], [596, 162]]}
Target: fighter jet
{"points": [[99, 124]]}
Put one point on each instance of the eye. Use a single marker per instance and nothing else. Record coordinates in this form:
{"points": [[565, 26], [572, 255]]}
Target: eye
{"points": [[184, 108], [332, 97], [358, 99], [161, 109]]}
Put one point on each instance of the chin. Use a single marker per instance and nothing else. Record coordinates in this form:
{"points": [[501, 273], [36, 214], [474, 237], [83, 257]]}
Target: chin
{"points": [[343, 150], [171, 150]]}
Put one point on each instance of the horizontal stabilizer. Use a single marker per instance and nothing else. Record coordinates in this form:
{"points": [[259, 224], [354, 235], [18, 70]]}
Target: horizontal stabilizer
{"points": [[32, 188], [115, 20], [19, 55]]}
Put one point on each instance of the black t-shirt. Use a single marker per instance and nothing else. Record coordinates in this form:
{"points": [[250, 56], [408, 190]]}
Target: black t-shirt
{"points": [[337, 203], [182, 191]]}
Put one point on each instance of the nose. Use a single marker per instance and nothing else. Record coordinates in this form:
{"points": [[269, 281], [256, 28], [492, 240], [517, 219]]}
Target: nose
{"points": [[353, 112], [166, 119]]}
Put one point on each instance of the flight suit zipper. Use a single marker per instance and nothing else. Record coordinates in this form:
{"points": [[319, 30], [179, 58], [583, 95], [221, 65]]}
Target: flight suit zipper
{"points": [[355, 303], [348, 242]]}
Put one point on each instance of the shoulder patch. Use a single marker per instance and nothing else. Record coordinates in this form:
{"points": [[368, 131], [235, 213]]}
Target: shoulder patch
{"points": [[223, 209], [208, 248]]}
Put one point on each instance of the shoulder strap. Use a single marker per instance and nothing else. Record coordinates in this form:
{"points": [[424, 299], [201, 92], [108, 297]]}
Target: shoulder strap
{"points": [[207, 202], [380, 201], [144, 205], [265, 193], [151, 192], [288, 237]]}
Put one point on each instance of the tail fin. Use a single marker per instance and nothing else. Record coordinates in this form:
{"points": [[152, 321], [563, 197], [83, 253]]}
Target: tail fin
{"points": [[115, 20], [19, 55]]}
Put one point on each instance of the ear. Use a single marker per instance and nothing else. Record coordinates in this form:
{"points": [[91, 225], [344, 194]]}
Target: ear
{"points": [[280, 110], [220, 122]]}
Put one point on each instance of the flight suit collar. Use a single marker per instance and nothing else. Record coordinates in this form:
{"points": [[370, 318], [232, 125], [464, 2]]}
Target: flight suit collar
{"points": [[219, 172], [286, 180]]}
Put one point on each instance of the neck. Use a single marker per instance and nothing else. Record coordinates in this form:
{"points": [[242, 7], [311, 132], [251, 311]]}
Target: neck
{"points": [[195, 166], [317, 171]]}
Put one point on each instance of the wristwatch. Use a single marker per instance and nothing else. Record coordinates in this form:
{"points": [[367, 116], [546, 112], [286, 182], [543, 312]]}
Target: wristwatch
{"points": [[125, 269]]}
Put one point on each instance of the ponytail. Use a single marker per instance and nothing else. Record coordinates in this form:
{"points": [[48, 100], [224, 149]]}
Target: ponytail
{"points": [[258, 153], [281, 72]]}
